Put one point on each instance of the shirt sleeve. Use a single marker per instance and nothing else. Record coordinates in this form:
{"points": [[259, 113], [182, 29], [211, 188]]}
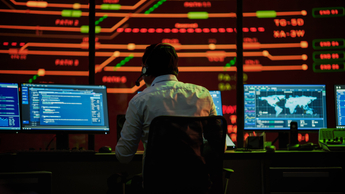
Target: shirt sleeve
{"points": [[130, 135]]}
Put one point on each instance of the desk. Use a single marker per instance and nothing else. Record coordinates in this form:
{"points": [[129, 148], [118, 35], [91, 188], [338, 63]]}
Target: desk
{"points": [[72, 173], [88, 173], [253, 170]]}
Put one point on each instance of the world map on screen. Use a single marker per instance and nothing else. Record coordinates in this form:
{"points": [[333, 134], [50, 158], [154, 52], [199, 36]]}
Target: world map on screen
{"points": [[291, 103]]}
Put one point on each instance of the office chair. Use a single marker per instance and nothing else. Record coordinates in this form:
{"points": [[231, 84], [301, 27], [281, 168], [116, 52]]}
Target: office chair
{"points": [[185, 155], [177, 154]]}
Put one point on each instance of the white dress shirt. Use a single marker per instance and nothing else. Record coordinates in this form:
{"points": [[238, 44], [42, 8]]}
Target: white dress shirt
{"points": [[166, 96]]}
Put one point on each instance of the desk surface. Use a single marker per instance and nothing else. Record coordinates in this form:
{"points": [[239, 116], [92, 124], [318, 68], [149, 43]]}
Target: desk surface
{"points": [[141, 152], [229, 155], [300, 157], [88, 172]]}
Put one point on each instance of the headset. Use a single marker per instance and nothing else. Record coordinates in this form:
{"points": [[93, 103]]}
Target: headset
{"points": [[145, 69]]}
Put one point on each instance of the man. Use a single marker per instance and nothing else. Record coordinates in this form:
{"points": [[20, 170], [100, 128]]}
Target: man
{"points": [[164, 95]]}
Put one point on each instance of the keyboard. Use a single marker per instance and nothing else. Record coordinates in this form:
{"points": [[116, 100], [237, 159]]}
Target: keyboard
{"points": [[332, 139]]}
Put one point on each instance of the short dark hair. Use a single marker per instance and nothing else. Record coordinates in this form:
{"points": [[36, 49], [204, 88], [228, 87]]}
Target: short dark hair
{"points": [[160, 59]]}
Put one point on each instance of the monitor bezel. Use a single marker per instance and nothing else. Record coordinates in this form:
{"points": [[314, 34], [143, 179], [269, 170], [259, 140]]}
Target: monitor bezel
{"points": [[19, 109], [336, 106], [300, 130], [67, 130]]}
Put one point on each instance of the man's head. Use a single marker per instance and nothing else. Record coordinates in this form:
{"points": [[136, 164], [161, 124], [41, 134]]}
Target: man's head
{"points": [[160, 59]]}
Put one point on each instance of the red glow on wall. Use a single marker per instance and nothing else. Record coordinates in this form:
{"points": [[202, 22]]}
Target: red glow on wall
{"points": [[329, 56], [186, 25], [329, 12], [171, 41], [304, 137], [182, 30], [159, 30], [214, 30], [110, 1], [252, 29], [245, 136], [229, 30], [206, 30], [233, 137], [231, 109], [233, 119], [329, 66], [198, 30], [261, 29], [232, 129], [221, 30], [151, 30], [66, 62], [167, 30], [328, 43], [251, 62], [114, 79], [197, 4], [190, 30], [135, 30], [66, 22]]}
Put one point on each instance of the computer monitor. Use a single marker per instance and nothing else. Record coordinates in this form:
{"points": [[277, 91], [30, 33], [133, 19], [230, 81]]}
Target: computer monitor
{"points": [[273, 107], [58, 108], [217, 100], [9, 107], [340, 106]]}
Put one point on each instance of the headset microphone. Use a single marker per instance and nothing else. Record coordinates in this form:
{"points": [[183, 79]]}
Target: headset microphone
{"points": [[137, 83], [143, 72]]}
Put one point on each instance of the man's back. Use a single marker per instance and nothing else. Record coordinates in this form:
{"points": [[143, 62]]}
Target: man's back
{"points": [[166, 96]]}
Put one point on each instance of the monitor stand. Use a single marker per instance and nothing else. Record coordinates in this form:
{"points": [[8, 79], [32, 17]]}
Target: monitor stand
{"points": [[91, 142], [283, 140], [62, 141]]}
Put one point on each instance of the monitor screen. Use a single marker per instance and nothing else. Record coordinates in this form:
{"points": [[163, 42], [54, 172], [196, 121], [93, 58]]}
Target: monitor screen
{"points": [[217, 100], [9, 107], [68, 108], [273, 107], [340, 106]]}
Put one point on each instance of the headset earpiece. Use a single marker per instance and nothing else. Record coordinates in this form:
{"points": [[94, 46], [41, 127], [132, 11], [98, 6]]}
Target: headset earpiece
{"points": [[144, 70]]}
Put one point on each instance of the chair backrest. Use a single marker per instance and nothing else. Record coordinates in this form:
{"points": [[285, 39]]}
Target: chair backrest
{"points": [[185, 154]]}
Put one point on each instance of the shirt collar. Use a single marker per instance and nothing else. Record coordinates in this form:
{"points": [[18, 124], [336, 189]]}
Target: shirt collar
{"points": [[164, 78]]}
